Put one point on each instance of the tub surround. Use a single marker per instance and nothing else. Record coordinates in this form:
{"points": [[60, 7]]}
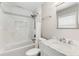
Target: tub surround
{"points": [[17, 49]]}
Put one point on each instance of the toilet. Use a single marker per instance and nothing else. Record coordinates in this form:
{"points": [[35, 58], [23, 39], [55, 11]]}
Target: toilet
{"points": [[33, 52]]}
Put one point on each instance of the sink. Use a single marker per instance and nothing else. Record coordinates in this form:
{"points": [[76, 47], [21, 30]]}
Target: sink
{"points": [[64, 48]]}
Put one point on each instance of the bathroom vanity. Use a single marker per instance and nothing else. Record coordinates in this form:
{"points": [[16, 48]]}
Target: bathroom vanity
{"points": [[54, 47]]}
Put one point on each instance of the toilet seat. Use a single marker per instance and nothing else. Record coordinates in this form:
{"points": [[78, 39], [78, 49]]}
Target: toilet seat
{"points": [[33, 52]]}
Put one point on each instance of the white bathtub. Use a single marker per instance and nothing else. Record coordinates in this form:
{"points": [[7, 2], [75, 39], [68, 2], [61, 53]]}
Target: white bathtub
{"points": [[17, 49]]}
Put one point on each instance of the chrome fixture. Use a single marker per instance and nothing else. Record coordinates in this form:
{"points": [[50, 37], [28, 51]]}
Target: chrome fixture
{"points": [[62, 40]]}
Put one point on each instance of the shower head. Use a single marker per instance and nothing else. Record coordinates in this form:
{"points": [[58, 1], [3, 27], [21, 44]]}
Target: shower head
{"points": [[34, 15]]}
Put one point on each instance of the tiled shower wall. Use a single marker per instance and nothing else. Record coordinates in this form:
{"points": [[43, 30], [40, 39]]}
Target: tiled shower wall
{"points": [[8, 27]]}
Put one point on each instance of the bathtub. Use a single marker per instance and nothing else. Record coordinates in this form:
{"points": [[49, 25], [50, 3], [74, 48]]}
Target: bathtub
{"points": [[17, 49]]}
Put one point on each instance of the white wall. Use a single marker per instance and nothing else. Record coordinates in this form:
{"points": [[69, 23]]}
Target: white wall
{"points": [[7, 24], [49, 25], [48, 20], [8, 34]]}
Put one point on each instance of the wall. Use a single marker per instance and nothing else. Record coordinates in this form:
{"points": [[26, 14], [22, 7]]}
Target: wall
{"points": [[9, 14], [48, 20], [49, 26], [8, 34]]}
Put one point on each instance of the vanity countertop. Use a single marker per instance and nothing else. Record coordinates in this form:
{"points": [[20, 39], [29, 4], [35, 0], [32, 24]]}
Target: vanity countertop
{"points": [[66, 49]]}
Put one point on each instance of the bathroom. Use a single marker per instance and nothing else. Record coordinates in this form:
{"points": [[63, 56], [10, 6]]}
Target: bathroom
{"points": [[39, 28]]}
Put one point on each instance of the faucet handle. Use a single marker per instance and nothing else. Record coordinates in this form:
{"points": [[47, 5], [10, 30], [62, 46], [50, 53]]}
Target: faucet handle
{"points": [[62, 40], [69, 42]]}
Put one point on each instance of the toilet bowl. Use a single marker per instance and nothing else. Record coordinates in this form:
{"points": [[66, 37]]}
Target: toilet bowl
{"points": [[33, 52]]}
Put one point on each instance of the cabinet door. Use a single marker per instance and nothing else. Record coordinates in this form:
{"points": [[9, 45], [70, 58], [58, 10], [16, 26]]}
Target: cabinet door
{"points": [[48, 51]]}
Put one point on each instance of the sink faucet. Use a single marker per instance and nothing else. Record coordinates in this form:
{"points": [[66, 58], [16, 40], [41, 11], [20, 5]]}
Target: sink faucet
{"points": [[62, 40], [69, 42], [65, 41]]}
